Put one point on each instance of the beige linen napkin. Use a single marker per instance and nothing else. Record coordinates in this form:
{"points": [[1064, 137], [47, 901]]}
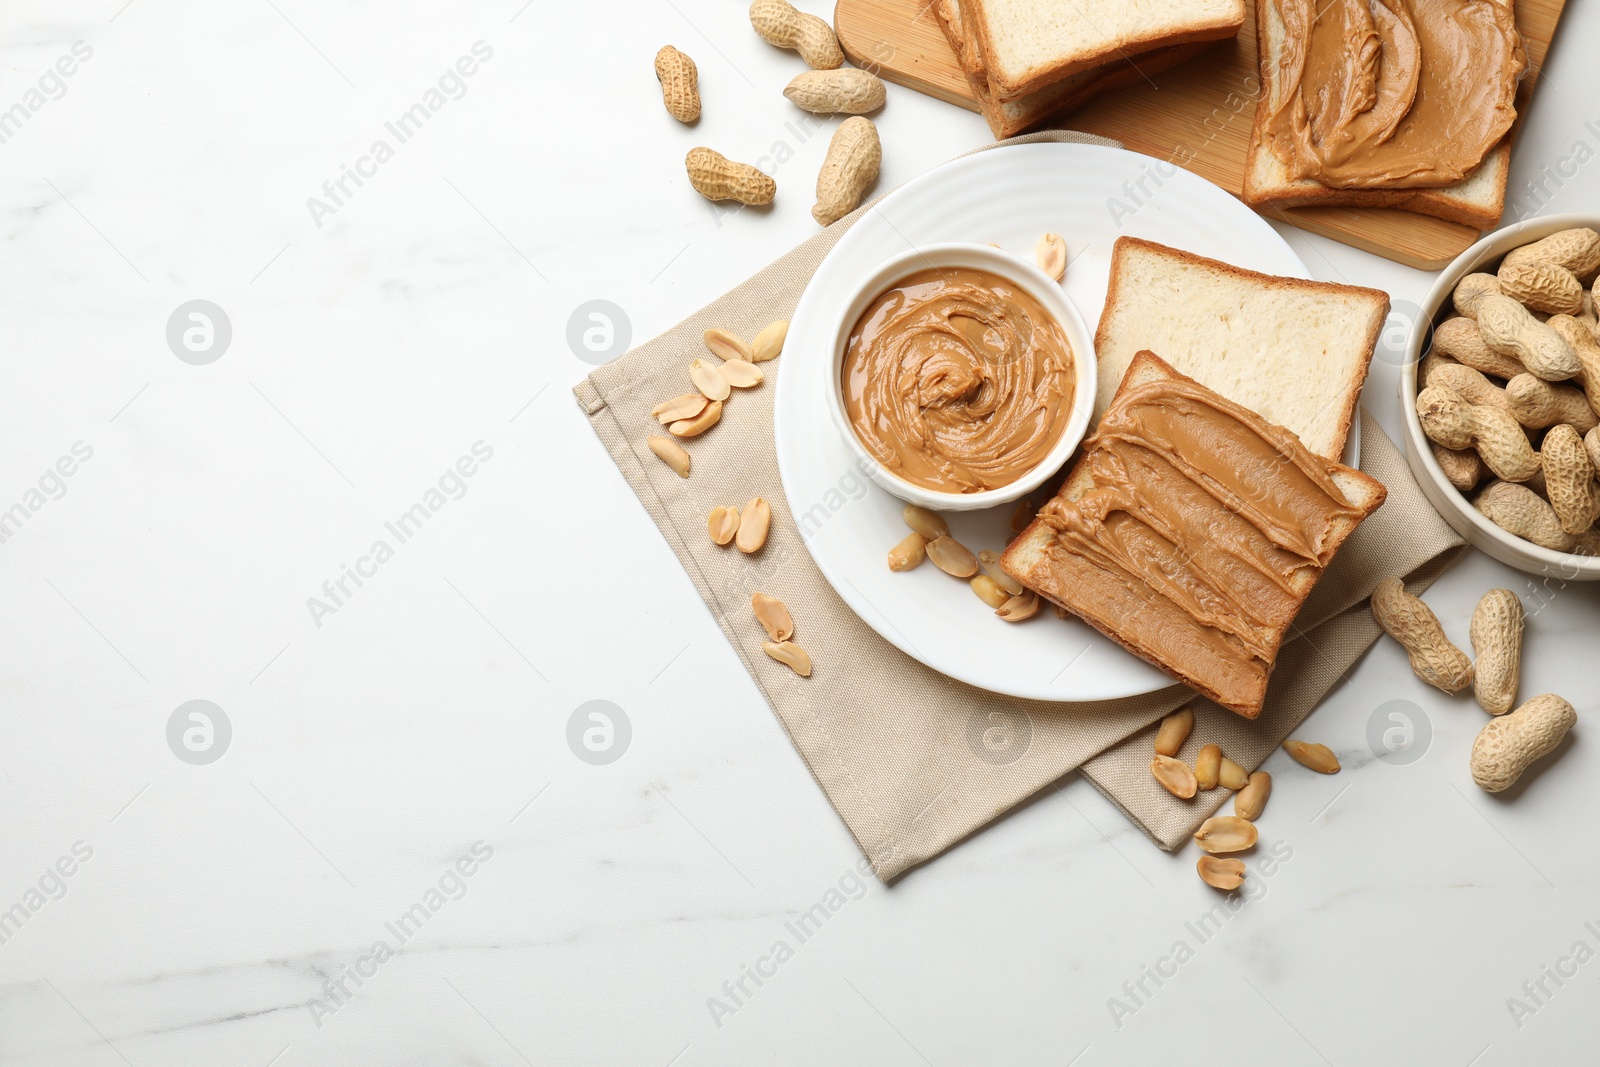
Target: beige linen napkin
{"points": [[912, 760]]}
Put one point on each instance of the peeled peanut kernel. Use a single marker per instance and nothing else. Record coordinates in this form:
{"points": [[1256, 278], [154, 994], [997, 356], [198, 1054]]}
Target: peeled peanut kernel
{"points": [[1226, 833], [1221, 873], [1319, 758], [671, 453], [908, 553], [708, 378], [1174, 775], [725, 345], [988, 592], [1231, 776], [769, 342], [741, 375], [990, 562], [1023, 606], [723, 524], [790, 655], [773, 616], [1208, 766], [952, 557], [700, 423], [1051, 255], [1174, 731], [927, 523], [1249, 802], [686, 406], [754, 521]]}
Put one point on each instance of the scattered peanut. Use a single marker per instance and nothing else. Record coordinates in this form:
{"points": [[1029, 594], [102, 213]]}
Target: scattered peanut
{"points": [[1411, 622], [773, 616], [1509, 328], [790, 655], [1507, 745], [779, 24], [908, 553], [723, 524], [1569, 479], [1174, 775], [1522, 513], [1460, 339], [680, 87], [1470, 290], [1220, 873], [1319, 758], [742, 375], [769, 342], [1538, 404], [1020, 607], [990, 562], [1547, 287], [1578, 250], [952, 557], [686, 406], [671, 453], [1208, 766], [716, 177], [1249, 802], [1450, 420], [929, 524], [726, 345], [708, 378], [846, 91], [754, 521], [1497, 642], [1174, 731], [851, 165], [1051, 255], [1226, 833], [1232, 776], [700, 423], [988, 591]]}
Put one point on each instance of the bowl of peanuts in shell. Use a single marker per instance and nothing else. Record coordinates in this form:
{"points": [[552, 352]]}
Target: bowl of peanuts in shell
{"points": [[1501, 396]]}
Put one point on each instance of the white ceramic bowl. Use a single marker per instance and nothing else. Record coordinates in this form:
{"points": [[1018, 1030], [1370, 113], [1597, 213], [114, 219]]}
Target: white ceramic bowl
{"points": [[1450, 502], [1025, 276]]}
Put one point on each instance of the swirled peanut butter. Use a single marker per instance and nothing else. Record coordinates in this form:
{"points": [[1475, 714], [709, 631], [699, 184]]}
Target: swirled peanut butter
{"points": [[1393, 94], [1193, 546], [957, 380]]}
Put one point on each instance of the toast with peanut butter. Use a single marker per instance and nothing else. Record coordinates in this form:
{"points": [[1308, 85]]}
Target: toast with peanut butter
{"points": [[1359, 108], [1190, 531]]}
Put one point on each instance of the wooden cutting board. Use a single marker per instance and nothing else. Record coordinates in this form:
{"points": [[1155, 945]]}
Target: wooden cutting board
{"points": [[1198, 114]]}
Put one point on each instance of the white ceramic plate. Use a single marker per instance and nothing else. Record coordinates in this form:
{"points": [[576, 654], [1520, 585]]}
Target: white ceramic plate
{"points": [[1009, 196]]}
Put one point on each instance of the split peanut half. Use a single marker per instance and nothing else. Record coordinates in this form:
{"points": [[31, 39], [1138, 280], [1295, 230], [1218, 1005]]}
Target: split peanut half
{"points": [[773, 616], [723, 524], [754, 522]]}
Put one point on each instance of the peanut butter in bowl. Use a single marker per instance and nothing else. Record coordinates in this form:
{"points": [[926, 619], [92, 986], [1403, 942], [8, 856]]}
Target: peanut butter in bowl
{"points": [[958, 380]]}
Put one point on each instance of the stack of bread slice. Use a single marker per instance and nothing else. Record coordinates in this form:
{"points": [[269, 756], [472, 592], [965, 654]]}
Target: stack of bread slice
{"points": [[1032, 60]]}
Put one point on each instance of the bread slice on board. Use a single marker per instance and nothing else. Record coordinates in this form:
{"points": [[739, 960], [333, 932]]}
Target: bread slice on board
{"points": [[1148, 618], [1028, 44], [1295, 352], [1477, 200], [1007, 118]]}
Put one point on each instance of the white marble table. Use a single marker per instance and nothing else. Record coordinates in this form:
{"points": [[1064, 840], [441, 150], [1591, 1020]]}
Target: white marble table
{"points": [[397, 767]]}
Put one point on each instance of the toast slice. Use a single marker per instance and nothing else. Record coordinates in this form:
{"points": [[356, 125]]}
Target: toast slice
{"points": [[1029, 44], [1478, 200], [1190, 531], [1296, 352]]}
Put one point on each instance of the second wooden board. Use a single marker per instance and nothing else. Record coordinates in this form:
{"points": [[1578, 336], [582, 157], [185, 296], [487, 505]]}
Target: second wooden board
{"points": [[1198, 115]]}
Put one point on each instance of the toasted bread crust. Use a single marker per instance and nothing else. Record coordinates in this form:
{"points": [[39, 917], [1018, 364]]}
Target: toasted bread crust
{"points": [[1347, 413]]}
